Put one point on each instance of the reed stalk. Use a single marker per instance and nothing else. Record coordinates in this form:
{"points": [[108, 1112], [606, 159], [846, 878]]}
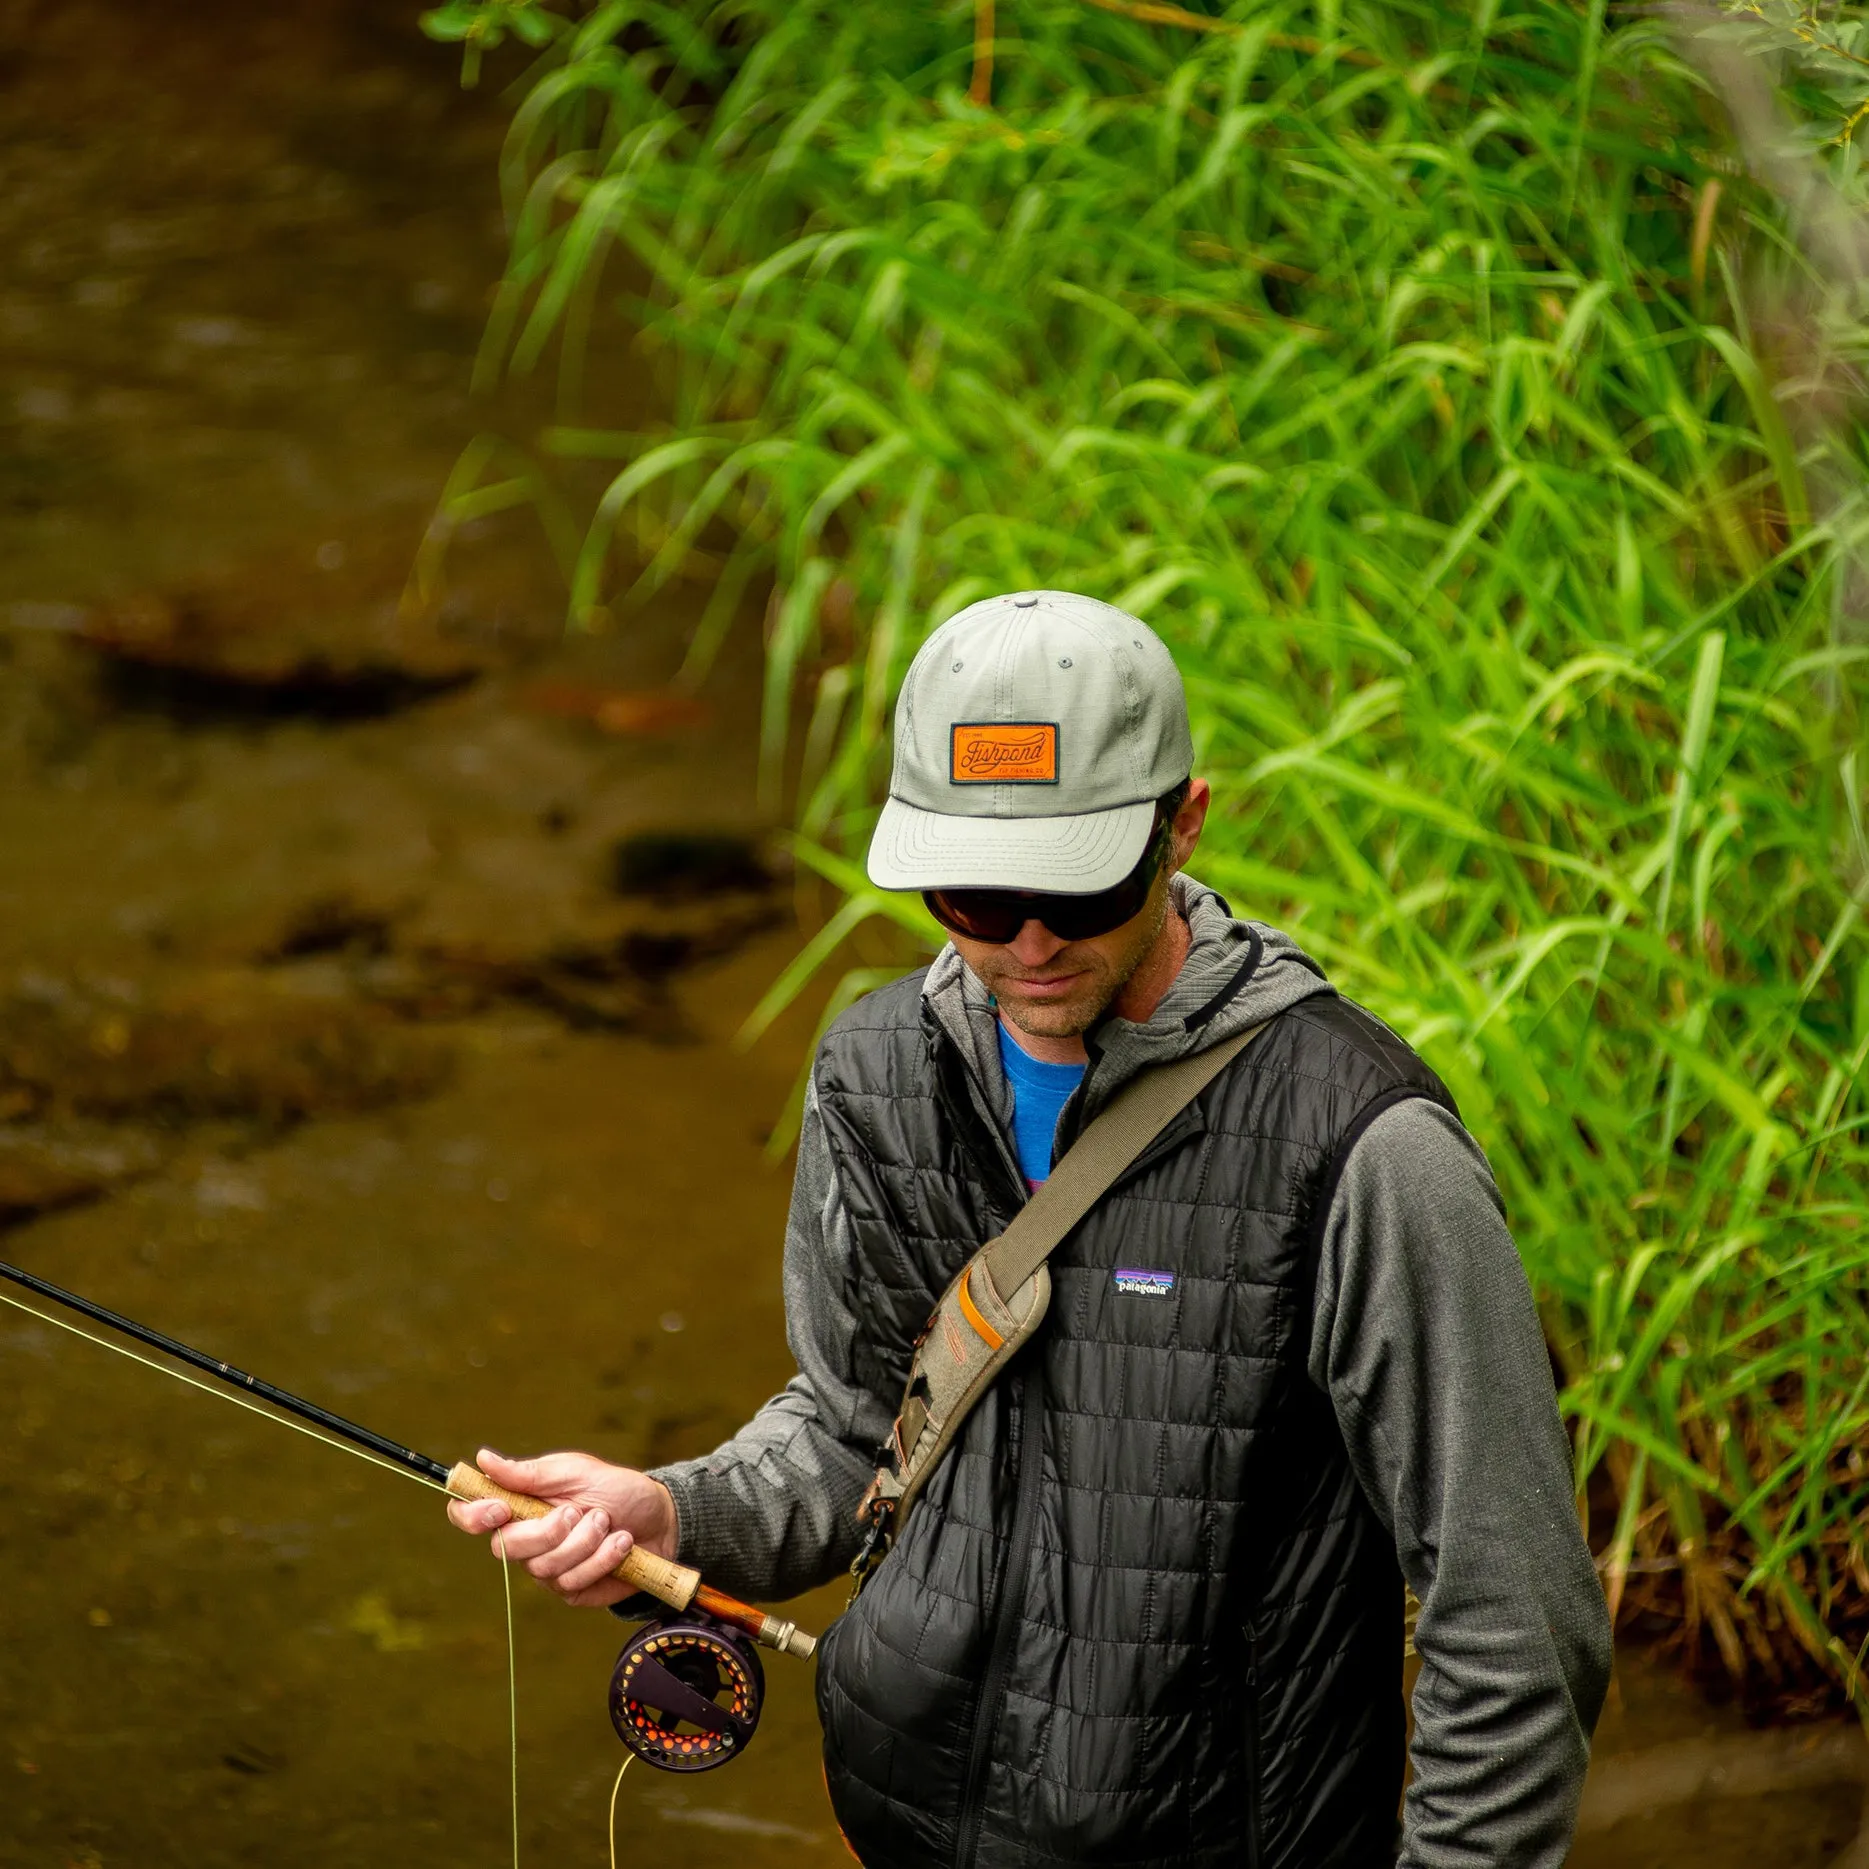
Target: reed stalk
{"points": [[1464, 396]]}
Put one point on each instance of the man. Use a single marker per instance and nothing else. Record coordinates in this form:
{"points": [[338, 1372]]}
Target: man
{"points": [[1148, 1610]]}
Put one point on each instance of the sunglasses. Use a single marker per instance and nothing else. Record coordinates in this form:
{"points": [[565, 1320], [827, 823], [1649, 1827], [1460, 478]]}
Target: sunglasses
{"points": [[997, 915]]}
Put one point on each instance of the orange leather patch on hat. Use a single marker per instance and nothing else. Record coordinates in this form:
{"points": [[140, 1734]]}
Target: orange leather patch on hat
{"points": [[1020, 752]]}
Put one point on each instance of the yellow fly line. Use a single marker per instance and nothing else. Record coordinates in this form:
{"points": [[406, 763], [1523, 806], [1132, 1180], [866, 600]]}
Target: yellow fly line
{"points": [[614, 1789], [221, 1395], [356, 1453]]}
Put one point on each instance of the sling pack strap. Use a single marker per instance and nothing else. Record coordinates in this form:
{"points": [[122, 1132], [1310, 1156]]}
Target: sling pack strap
{"points": [[998, 1299]]}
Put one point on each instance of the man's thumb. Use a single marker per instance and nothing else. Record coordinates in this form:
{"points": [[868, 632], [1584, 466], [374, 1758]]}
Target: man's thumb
{"points": [[548, 1474], [517, 1476]]}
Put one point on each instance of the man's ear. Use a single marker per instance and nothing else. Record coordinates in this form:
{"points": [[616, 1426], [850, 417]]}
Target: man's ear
{"points": [[1189, 821]]}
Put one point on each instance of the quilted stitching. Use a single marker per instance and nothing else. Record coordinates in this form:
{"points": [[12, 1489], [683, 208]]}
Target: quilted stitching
{"points": [[1195, 1495]]}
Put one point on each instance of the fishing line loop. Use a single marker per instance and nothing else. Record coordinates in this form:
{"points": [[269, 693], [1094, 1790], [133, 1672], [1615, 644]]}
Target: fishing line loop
{"points": [[614, 1789]]}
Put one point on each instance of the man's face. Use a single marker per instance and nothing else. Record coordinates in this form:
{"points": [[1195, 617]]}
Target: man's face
{"points": [[1060, 989], [1050, 988]]}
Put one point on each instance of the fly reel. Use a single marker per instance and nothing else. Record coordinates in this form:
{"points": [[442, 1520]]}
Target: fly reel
{"points": [[686, 1693]]}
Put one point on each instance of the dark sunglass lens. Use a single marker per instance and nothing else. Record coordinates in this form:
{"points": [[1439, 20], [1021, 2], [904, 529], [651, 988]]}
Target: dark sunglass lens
{"points": [[997, 915], [993, 915], [1082, 918], [1073, 918]]}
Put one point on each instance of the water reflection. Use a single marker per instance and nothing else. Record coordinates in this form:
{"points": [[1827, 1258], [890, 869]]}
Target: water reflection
{"points": [[341, 1037]]}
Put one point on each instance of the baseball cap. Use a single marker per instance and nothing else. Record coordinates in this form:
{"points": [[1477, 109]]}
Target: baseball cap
{"points": [[1034, 733]]}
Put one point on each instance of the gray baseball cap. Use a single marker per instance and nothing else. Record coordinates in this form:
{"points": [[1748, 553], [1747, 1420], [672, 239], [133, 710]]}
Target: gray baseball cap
{"points": [[1034, 733]]}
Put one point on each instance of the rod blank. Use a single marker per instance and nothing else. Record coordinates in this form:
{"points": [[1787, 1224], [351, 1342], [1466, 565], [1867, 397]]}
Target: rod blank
{"points": [[674, 1584], [418, 1464]]}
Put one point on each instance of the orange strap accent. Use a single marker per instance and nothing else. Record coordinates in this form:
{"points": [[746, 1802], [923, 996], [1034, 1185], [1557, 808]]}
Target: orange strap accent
{"points": [[988, 1335]]}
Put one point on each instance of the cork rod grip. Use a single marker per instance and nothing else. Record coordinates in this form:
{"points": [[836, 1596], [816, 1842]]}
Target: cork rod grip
{"points": [[673, 1584]]}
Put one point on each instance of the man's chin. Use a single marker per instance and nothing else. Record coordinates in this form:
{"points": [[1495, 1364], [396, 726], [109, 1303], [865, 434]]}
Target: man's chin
{"points": [[1051, 1018]]}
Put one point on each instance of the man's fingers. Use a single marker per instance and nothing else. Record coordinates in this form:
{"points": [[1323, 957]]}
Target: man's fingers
{"points": [[478, 1515], [527, 1539], [573, 1550], [572, 1583], [573, 1547]]}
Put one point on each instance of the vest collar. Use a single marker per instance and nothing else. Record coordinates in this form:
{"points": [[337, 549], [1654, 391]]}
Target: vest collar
{"points": [[1237, 973]]}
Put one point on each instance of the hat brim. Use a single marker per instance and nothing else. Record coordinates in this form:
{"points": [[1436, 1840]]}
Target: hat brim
{"points": [[1071, 856]]}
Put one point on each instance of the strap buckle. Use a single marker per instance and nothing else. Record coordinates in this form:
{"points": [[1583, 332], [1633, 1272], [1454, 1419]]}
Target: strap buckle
{"points": [[879, 1514]]}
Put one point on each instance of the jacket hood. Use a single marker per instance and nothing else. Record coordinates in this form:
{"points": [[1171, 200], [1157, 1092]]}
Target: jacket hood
{"points": [[1237, 973]]}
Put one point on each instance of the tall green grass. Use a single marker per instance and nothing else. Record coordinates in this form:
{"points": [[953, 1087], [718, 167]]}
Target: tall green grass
{"points": [[1484, 440]]}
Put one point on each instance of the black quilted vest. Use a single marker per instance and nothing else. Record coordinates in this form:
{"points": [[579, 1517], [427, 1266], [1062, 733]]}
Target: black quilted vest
{"points": [[1143, 1614]]}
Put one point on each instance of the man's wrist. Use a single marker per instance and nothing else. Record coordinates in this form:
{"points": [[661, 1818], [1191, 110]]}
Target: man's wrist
{"points": [[663, 1535]]}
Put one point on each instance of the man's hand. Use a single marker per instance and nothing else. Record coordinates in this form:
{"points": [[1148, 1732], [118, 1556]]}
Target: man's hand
{"points": [[602, 1511]]}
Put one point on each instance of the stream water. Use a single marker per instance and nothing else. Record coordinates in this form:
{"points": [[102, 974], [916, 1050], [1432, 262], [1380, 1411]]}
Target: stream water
{"points": [[328, 1041]]}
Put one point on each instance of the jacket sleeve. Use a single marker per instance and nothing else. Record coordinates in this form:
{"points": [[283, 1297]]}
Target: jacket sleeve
{"points": [[1429, 1345], [769, 1512]]}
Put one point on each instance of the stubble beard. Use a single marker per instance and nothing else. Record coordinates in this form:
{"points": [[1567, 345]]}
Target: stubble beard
{"points": [[1105, 976]]}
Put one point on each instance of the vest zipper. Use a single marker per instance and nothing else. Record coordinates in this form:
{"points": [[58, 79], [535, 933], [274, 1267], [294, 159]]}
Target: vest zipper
{"points": [[1254, 1843], [1006, 1613], [972, 1128], [979, 1138]]}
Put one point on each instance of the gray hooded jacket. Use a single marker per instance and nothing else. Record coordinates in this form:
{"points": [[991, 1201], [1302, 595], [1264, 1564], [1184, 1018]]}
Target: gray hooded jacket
{"points": [[1425, 1338]]}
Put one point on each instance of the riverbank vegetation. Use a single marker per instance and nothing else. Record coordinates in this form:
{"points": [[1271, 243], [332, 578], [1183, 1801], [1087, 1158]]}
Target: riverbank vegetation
{"points": [[1470, 396]]}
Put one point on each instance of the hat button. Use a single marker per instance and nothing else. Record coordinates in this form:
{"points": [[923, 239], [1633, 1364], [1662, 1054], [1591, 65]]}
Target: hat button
{"points": [[1024, 603]]}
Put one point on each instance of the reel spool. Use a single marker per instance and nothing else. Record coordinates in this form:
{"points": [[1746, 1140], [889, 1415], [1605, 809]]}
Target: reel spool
{"points": [[686, 1693]]}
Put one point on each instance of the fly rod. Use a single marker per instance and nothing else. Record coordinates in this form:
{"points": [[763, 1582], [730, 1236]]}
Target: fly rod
{"points": [[674, 1584]]}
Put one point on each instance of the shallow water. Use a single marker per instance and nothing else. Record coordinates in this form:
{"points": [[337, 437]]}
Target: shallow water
{"points": [[252, 253]]}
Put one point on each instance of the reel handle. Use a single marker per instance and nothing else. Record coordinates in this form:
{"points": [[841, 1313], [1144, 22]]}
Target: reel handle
{"points": [[671, 1583]]}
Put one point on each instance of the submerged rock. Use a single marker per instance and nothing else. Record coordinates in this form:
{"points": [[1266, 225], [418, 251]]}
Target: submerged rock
{"points": [[678, 866], [595, 963], [221, 1045], [42, 1169], [282, 637], [331, 924], [618, 983]]}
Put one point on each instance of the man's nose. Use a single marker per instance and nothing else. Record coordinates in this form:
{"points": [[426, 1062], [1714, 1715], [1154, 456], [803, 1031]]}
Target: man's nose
{"points": [[1034, 945]]}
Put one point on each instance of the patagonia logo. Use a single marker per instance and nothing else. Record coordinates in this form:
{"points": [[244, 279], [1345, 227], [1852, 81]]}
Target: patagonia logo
{"points": [[1017, 753], [1137, 1284]]}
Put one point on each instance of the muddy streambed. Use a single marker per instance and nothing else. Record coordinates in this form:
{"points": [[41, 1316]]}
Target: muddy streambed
{"points": [[336, 1036]]}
